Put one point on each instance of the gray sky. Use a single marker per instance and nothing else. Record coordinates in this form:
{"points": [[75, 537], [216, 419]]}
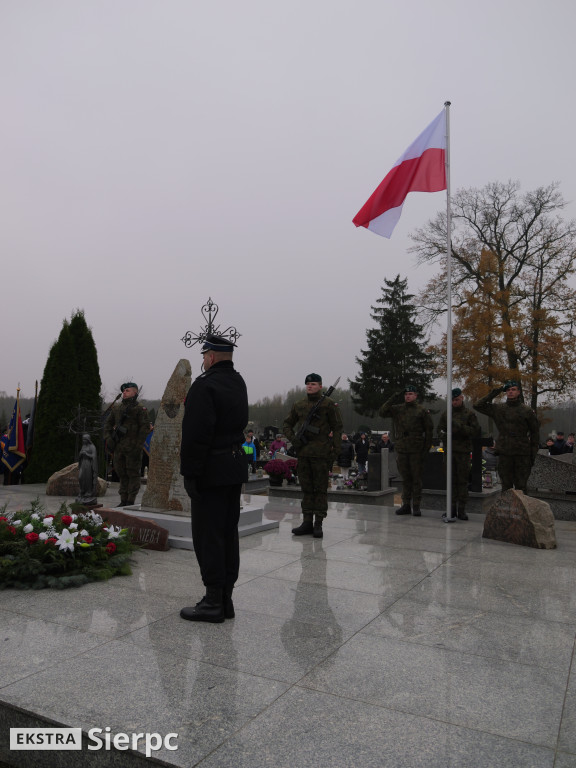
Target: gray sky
{"points": [[155, 153]]}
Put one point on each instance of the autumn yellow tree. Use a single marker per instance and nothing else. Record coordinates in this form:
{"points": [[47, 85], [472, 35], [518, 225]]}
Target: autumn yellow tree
{"points": [[512, 256]]}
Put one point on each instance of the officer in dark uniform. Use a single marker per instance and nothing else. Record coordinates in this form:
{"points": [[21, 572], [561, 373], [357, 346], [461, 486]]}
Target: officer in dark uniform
{"points": [[214, 466], [518, 434], [125, 431], [413, 429]]}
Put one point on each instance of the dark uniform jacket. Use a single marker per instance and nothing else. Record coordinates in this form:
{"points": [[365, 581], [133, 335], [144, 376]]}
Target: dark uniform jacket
{"points": [[129, 415], [465, 426], [327, 419], [518, 428], [413, 426], [215, 416]]}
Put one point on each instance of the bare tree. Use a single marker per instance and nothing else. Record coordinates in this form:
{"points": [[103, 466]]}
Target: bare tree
{"points": [[512, 256]]}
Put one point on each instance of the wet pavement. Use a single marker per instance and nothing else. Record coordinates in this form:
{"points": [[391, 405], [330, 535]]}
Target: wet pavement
{"points": [[392, 642]]}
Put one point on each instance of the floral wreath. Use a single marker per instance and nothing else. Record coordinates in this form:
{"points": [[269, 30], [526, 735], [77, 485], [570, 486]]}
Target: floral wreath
{"points": [[68, 549]]}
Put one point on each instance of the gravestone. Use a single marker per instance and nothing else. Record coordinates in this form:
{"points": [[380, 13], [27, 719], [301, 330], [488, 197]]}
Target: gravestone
{"points": [[519, 519], [165, 486], [554, 473], [144, 533]]}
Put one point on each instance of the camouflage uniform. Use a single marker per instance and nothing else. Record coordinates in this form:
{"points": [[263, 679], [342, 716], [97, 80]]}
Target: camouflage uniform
{"points": [[465, 426], [413, 429], [132, 416], [518, 438], [317, 455]]}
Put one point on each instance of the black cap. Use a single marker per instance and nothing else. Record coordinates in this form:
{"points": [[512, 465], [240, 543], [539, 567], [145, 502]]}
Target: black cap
{"points": [[313, 377], [214, 343], [456, 392], [127, 385]]}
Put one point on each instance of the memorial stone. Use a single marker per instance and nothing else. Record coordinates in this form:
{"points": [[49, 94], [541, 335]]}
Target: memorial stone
{"points": [[165, 486], [519, 519], [553, 473], [65, 482]]}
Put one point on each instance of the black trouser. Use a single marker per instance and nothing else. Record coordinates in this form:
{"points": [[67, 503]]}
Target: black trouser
{"points": [[215, 517]]}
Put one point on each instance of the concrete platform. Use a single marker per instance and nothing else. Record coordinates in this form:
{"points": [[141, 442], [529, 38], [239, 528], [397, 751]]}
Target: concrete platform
{"points": [[373, 498], [393, 642]]}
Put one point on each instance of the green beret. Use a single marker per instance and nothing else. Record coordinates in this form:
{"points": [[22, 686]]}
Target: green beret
{"points": [[511, 383], [456, 392], [410, 388], [127, 385], [313, 377]]}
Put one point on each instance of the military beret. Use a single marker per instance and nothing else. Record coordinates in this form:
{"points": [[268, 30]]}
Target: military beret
{"points": [[214, 343], [511, 383], [127, 385], [456, 392], [410, 388], [313, 377]]}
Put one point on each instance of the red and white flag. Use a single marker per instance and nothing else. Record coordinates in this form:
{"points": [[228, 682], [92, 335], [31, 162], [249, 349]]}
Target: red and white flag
{"points": [[422, 168]]}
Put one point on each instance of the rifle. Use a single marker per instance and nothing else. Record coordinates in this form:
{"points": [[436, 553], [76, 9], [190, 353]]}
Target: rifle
{"points": [[307, 426]]}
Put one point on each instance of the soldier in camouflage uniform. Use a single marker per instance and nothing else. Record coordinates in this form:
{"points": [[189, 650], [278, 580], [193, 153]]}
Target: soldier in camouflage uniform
{"points": [[316, 454], [518, 435], [125, 431], [413, 429], [465, 426]]}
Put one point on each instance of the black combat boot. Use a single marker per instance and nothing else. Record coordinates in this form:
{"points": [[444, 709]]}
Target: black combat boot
{"points": [[306, 527], [416, 510], [317, 531], [462, 512], [405, 509], [228, 604], [210, 608]]}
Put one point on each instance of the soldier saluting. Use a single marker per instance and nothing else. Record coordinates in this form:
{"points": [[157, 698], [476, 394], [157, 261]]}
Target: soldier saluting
{"points": [[126, 428], [413, 429], [518, 434]]}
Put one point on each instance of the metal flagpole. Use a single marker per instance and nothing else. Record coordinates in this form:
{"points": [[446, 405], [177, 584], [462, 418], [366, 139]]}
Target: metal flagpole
{"points": [[448, 516]]}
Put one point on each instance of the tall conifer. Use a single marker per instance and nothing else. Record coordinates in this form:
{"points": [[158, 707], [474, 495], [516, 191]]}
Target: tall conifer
{"points": [[71, 381], [395, 355]]}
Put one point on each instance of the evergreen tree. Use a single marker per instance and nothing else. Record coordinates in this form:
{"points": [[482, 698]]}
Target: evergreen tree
{"points": [[68, 385], [395, 356]]}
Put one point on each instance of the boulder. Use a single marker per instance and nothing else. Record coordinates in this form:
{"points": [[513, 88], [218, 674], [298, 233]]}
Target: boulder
{"points": [[65, 482], [520, 519]]}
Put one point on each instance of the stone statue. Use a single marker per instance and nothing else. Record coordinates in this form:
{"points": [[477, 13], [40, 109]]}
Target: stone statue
{"points": [[88, 472]]}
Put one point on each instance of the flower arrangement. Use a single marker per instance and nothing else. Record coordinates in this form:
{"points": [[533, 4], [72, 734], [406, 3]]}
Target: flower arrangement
{"points": [[356, 482], [278, 467], [68, 549]]}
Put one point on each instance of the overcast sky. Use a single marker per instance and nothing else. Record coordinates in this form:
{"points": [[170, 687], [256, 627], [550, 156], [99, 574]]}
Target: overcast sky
{"points": [[155, 153]]}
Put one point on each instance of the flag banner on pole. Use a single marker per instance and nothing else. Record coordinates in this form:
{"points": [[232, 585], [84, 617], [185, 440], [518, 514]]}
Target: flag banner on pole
{"points": [[14, 451], [422, 168]]}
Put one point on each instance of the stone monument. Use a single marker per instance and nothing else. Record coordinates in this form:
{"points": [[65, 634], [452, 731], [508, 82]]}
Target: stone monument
{"points": [[165, 486], [520, 519]]}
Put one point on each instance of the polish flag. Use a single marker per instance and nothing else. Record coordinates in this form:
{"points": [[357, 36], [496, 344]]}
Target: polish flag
{"points": [[422, 168]]}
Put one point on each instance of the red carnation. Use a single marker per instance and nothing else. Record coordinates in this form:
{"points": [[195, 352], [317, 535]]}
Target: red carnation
{"points": [[87, 539], [11, 529], [4, 518], [51, 540], [32, 536], [110, 547], [66, 519]]}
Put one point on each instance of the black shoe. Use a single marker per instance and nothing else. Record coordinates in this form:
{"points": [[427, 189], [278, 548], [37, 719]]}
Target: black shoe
{"points": [[304, 529], [405, 509], [210, 608], [416, 512], [228, 605], [462, 515], [317, 531]]}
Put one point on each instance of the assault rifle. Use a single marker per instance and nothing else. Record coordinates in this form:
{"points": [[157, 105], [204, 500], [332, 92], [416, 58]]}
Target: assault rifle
{"points": [[301, 435]]}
